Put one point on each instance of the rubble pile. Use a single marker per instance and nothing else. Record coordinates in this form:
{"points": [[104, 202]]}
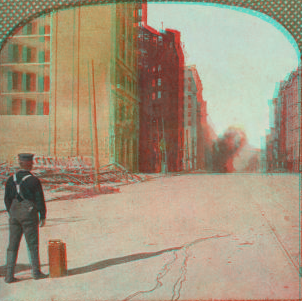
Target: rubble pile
{"points": [[6, 169], [73, 171]]}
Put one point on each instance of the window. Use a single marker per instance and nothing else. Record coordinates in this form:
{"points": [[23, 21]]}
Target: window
{"points": [[30, 84], [153, 69], [34, 27], [46, 83], [159, 67], [16, 81], [33, 55], [44, 30], [41, 30], [41, 83], [28, 29], [30, 107], [46, 108], [159, 82], [153, 82], [40, 108], [47, 29], [159, 94], [28, 54], [153, 96], [16, 106], [189, 122], [13, 53], [41, 56]]}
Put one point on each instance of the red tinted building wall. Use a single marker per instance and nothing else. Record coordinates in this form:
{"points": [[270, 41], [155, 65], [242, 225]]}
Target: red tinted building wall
{"points": [[161, 76]]}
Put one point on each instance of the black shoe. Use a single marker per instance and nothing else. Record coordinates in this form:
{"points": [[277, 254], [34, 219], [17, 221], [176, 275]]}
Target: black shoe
{"points": [[10, 266], [39, 275], [10, 279]]}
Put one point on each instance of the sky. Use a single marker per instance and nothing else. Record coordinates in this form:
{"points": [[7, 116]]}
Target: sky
{"points": [[240, 57]]}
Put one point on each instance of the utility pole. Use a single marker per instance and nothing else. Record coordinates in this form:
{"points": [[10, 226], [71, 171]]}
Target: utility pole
{"points": [[78, 94], [93, 130], [95, 127]]}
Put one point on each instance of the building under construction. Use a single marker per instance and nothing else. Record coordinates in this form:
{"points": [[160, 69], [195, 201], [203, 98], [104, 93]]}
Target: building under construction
{"points": [[69, 86]]}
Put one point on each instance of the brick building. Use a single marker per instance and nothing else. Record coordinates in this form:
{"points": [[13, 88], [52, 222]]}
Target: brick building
{"points": [[196, 141], [161, 88], [286, 111]]}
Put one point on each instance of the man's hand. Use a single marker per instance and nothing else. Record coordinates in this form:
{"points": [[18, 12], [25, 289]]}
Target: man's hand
{"points": [[42, 223]]}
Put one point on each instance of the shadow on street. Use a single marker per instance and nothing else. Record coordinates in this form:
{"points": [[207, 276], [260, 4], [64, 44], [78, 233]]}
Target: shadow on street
{"points": [[20, 267], [115, 261]]}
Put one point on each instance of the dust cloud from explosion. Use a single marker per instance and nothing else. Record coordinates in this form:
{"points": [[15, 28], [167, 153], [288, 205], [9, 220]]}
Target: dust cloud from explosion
{"points": [[226, 148]]}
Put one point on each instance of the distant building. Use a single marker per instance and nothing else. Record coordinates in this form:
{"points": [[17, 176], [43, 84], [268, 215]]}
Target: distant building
{"points": [[161, 81], [196, 143], [285, 138], [269, 151], [263, 155], [289, 96], [62, 70]]}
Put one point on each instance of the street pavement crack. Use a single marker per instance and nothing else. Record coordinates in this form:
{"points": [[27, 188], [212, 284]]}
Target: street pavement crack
{"points": [[160, 275], [178, 284], [183, 270]]}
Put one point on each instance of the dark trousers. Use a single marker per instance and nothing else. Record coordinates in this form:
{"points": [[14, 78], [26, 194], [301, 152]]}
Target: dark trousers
{"points": [[23, 219]]}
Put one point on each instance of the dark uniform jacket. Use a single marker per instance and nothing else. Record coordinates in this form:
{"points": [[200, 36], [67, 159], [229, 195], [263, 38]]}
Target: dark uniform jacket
{"points": [[31, 189]]}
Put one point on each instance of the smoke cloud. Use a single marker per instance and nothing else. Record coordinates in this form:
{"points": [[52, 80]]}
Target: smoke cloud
{"points": [[226, 148]]}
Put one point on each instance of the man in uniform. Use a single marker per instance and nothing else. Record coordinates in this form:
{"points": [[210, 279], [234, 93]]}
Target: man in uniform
{"points": [[24, 201]]}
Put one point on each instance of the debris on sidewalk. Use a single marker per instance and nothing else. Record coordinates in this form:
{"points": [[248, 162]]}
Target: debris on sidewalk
{"points": [[75, 171]]}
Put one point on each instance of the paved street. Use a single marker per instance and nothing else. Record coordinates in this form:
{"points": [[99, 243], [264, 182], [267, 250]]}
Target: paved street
{"points": [[184, 237]]}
